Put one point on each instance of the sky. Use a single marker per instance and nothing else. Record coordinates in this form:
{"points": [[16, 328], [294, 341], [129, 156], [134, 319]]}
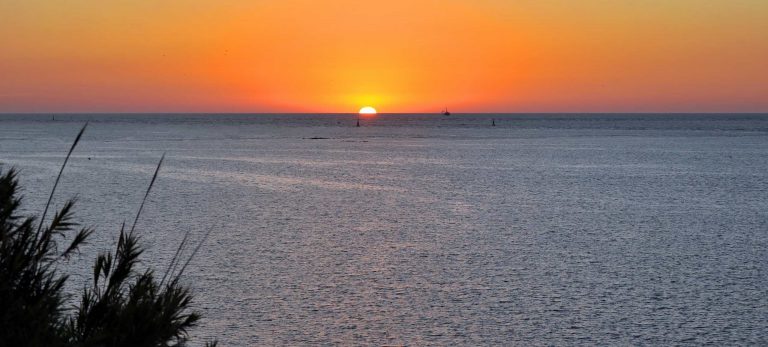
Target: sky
{"points": [[394, 55]]}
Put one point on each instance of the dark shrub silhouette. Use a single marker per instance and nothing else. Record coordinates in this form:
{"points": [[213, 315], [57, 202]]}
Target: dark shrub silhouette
{"points": [[121, 307]]}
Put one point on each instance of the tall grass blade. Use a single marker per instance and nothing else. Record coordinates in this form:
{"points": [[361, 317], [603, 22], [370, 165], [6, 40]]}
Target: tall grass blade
{"points": [[191, 256], [174, 260], [151, 183], [61, 171]]}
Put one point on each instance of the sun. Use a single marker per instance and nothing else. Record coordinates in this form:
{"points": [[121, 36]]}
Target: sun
{"points": [[367, 110]]}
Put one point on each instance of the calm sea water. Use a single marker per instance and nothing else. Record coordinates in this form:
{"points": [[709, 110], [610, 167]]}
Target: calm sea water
{"points": [[431, 230]]}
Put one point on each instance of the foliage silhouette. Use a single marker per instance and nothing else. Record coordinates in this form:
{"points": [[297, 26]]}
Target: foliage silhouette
{"points": [[121, 307]]}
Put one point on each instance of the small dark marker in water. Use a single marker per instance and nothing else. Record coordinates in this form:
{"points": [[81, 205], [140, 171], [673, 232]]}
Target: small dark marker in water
{"points": [[358, 121]]}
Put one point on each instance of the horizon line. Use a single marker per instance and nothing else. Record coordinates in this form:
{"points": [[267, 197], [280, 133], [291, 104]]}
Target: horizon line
{"points": [[379, 113]]}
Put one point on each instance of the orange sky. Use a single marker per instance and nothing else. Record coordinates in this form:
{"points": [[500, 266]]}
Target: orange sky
{"points": [[396, 55]]}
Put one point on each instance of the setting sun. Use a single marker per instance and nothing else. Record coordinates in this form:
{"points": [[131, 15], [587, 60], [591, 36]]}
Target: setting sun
{"points": [[494, 56], [367, 110]]}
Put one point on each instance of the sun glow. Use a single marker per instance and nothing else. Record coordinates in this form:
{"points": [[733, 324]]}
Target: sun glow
{"points": [[329, 57], [367, 110]]}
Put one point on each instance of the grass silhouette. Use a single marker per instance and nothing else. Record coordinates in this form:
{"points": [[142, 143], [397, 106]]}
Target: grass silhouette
{"points": [[120, 307]]}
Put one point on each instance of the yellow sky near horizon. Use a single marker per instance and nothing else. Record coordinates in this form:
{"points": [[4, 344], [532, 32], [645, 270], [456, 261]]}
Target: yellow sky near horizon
{"points": [[398, 56]]}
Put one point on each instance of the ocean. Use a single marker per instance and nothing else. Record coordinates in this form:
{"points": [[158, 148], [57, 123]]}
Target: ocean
{"points": [[546, 229]]}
